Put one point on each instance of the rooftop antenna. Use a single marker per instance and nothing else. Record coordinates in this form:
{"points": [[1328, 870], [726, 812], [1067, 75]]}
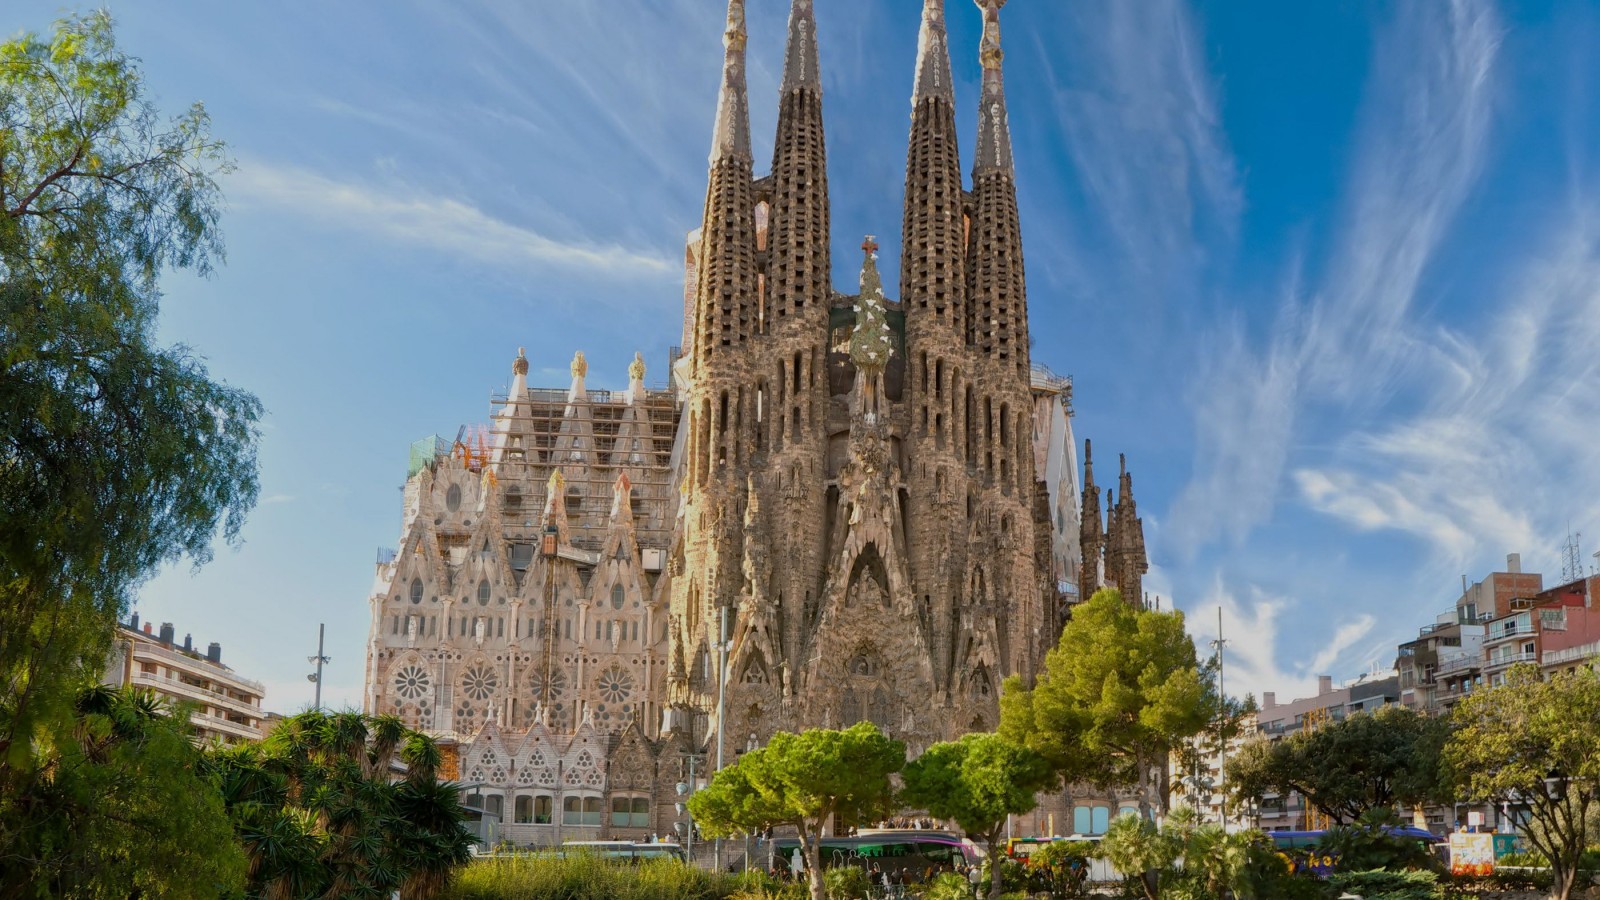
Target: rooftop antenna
{"points": [[1571, 557]]}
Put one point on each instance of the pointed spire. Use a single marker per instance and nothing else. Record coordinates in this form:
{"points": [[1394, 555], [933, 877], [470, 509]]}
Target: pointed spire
{"points": [[1091, 530], [933, 56], [636, 391], [580, 371], [555, 507], [732, 134], [622, 499], [994, 130], [800, 66]]}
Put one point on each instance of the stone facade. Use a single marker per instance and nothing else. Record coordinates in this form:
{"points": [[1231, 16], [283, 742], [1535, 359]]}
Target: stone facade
{"points": [[878, 497], [862, 499]]}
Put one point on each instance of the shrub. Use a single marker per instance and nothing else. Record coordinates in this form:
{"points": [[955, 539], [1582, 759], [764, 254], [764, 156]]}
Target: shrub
{"points": [[950, 886], [1381, 885], [587, 877], [847, 883]]}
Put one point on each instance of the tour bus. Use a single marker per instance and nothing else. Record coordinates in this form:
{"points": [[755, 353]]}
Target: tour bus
{"points": [[626, 851], [1309, 842], [904, 853]]}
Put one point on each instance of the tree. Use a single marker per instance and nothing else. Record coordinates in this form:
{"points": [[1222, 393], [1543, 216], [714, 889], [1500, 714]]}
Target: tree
{"points": [[1117, 694], [1535, 742], [127, 808], [800, 781], [115, 455], [1133, 844], [319, 814], [1375, 760], [978, 782]]}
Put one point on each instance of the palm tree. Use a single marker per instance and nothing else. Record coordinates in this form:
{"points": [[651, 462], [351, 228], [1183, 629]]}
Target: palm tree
{"points": [[320, 816]]}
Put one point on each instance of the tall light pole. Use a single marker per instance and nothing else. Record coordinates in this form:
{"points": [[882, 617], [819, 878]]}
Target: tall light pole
{"points": [[722, 706], [316, 677], [1222, 723]]}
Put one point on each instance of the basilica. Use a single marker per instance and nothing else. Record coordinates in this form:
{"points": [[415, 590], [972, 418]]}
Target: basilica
{"points": [[837, 506]]}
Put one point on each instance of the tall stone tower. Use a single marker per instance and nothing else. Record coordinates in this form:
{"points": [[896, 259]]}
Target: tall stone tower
{"points": [[858, 495]]}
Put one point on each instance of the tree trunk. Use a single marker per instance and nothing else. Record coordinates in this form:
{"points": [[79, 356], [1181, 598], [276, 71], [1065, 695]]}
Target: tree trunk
{"points": [[996, 883], [1564, 878], [811, 846]]}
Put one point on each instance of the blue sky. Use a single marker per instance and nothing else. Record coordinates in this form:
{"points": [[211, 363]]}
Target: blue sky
{"points": [[1328, 273]]}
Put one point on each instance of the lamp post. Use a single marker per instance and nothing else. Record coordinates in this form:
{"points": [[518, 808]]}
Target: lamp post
{"points": [[722, 704], [684, 791], [316, 677]]}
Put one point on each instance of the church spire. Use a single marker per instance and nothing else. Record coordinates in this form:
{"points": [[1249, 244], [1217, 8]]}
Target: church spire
{"points": [[933, 56], [1091, 533], [731, 136], [800, 267], [726, 306], [800, 67], [994, 131], [933, 230], [997, 307], [1126, 555]]}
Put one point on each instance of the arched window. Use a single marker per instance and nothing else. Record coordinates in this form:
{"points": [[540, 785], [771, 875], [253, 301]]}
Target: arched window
{"points": [[483, 592], [452, 498], [618, 596], [416, 590]]}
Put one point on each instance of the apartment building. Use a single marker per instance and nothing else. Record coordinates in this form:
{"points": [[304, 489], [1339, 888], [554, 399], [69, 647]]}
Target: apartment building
{"points": [[224, 705]]}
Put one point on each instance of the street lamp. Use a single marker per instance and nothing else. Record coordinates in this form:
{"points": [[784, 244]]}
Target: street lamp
{"points": [[682, 806], [723, 645], [316, 677]]}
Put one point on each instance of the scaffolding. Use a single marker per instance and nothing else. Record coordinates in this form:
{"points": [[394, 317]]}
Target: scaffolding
{"points": [[516, 454]]}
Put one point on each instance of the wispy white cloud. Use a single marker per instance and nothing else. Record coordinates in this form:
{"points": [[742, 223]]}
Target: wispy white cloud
{"points": [[1138, 116], [1342, 345], [275, 499], [1473, 472], [445, 225], [1254, 626]]}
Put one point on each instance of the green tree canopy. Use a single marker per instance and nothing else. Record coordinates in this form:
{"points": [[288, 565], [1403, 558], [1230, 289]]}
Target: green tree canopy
{"points": [[799, 781], [1117, 694], [115, 455], [319, 813], [1539, 741], [127, 808], [1375, 760], [978, 782]]}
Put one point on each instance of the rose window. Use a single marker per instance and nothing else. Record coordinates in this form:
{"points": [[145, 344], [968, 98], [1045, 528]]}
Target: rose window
{"points": [[615, 685], [412, 683], [537, 686], [479, 683]]}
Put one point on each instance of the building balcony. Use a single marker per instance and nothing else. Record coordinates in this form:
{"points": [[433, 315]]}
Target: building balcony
{"points": [[1458, 663], [1580, 653], [176, 687], [199, 665], [1503, 660], [207, 723]]}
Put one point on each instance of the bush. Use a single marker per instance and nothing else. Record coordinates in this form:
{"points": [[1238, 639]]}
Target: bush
{"points": [[1368, 845], [950, 886], [587, 877], [847, 883], [1381, 885]]}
